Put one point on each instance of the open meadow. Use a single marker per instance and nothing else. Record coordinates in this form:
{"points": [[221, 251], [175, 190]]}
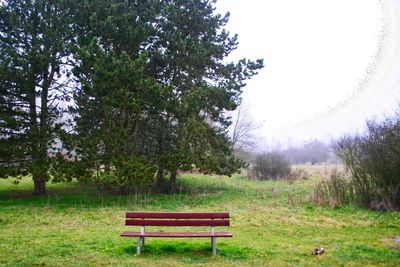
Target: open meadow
{"points": [[274, 223]]}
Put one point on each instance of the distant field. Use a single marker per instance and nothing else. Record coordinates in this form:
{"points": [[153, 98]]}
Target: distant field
{"points": [[321, 170], [273, 222]]}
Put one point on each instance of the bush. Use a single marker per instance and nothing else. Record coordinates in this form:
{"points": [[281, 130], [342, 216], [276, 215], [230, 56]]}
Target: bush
{"points": [[130, 174], [134, 173], [374, 162], [271, 166]]}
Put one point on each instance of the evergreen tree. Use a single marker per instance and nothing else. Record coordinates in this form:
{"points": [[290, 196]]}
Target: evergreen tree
{"points": [[34, 42], [188, 60], [116, 99], [151, 87], [152, 76]]}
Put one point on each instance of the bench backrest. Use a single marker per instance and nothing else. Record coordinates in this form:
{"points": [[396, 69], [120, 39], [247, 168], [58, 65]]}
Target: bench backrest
{"points": [[177, 218]]}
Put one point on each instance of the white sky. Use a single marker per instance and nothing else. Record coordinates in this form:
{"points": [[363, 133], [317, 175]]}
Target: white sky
{"points": [[329, 64]]}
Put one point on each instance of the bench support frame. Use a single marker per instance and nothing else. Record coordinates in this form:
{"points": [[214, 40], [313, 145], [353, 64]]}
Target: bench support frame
{"points": [[143, 219], [141, 240], [138, 245], [214, 245], [142, 232]]}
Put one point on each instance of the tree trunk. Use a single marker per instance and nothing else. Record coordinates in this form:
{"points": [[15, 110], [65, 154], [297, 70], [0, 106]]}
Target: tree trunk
{"points": [[397, 197], [123, 190], [160, 183], [39, 187], [172, 181]]}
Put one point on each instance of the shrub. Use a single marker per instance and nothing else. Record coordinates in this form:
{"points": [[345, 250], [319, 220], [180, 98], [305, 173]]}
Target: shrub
{"points": [[134, 173], [129, 173], [374, 162], [271, 166]]}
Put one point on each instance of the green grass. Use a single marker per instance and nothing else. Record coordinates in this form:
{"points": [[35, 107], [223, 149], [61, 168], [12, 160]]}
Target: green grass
{"points": [[273, 222]]}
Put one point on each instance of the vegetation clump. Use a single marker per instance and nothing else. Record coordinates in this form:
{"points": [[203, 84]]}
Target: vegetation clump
{"points": [[270, 165], [373, 160]]}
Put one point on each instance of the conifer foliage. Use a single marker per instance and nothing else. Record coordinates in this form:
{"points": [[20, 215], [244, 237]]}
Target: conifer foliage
{"points": [[34, 78], [150, 88]]}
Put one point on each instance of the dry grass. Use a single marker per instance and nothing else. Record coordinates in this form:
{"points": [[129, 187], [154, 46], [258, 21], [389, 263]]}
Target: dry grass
{"points": [[322, 171]]}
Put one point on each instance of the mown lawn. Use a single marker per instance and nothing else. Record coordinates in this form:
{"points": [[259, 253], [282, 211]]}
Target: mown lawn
{"points": [[274, 224]]}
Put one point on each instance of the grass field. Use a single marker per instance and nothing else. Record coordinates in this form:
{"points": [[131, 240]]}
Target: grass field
{"points": [[274, 224]]}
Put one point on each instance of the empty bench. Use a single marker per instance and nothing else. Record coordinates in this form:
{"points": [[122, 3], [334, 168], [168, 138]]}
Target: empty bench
{"points": [[144, 219]]}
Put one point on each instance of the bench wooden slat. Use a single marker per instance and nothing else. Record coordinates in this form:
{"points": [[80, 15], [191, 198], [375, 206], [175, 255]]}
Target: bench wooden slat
{"points": [[176, 234], [145, 219], [169, 222], [178, 215]]}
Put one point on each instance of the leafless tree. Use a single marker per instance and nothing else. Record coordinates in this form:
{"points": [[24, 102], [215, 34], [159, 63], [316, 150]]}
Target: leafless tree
{"points": [[243, 129]]}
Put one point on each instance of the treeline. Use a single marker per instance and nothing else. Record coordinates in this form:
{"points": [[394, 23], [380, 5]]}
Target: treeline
{"points": [[311, 152], [133, 90]]}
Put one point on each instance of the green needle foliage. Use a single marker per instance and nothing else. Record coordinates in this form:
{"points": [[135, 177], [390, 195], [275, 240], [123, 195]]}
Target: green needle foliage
{"points": [[144, 82], [34, 51], [157, 88]]}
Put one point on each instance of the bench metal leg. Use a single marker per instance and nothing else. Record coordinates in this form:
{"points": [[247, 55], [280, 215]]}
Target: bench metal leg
{"points": [[142, 228], [138, 246], [214, 245]]}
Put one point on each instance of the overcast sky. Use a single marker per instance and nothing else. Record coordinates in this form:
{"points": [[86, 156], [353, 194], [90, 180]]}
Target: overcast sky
{"points": [[329, 64]]}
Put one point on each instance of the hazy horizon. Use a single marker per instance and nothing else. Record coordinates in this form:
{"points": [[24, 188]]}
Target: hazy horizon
{"points": [[329, 66]]}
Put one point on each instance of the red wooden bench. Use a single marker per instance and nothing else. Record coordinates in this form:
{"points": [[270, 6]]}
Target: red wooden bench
{"points": [[144, 219]]}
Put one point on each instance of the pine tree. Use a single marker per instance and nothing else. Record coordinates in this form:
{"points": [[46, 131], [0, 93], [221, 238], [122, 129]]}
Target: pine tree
{"points": [[188, 59], [34, 41], [116, 99]]}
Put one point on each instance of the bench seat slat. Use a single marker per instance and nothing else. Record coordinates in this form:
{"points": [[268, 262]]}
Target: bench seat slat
{"points": [[177, 234], [178, 215], [169, 222]]}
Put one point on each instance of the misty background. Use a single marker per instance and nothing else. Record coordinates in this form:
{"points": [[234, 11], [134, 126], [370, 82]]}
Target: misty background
{"points": [[342, 58]]}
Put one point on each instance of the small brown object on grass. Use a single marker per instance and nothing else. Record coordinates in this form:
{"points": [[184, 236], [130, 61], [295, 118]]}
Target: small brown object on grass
{"points": [[318, 251]]}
